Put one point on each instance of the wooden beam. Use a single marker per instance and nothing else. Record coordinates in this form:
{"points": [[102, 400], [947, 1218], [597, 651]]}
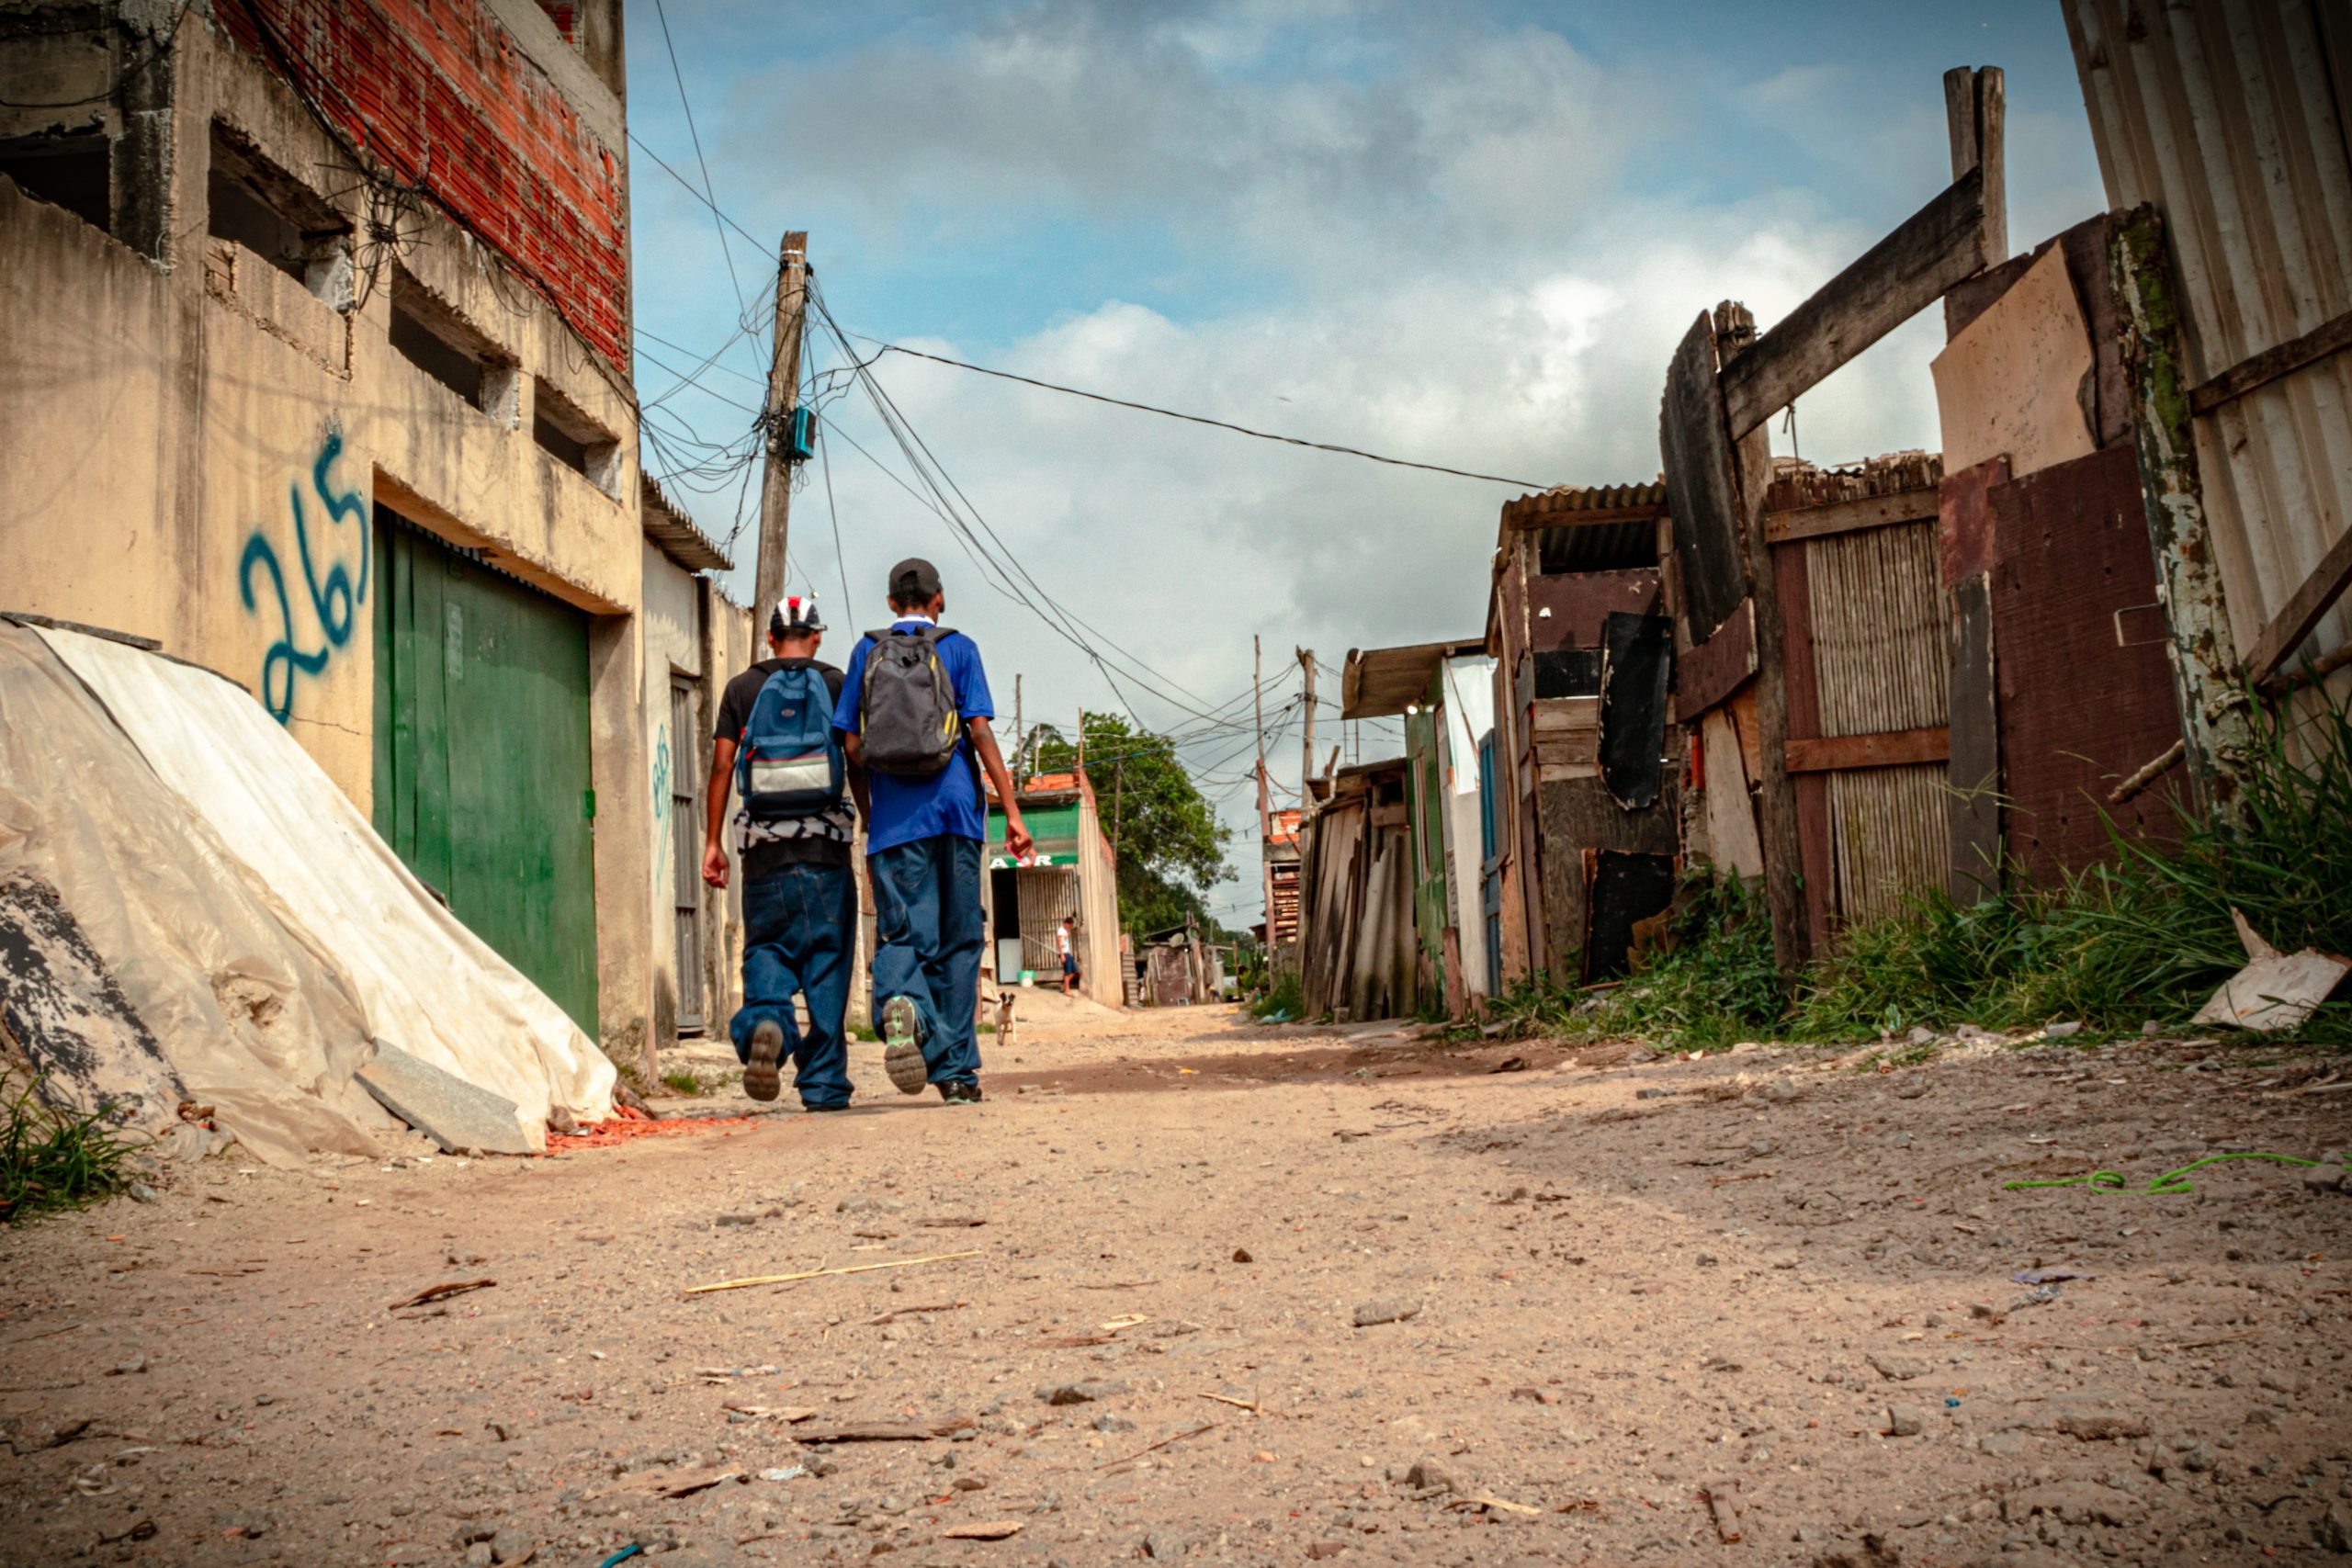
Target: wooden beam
{"points": [[1974, 111], [1530, 520], [1698, 483], [1895, 280], [1888, 749], [1848, 516], [2301, 613], [2261, 369], [1710, 672]]}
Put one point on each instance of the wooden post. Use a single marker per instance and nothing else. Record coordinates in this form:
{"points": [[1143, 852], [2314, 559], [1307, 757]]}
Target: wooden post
{"points": [[1306, 742], [783, 396], [1020, 735], [1975, 109], [2213, 718], [1265, 818]]}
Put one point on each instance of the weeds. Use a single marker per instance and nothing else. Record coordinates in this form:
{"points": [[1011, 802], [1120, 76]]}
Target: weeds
{"points": [[51, 1159], [681, 1082], [2146, 934], [1284, 997]]}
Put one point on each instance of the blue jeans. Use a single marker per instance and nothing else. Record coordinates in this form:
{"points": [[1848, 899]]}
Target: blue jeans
{"points": [[798, 929], [928, 937]]}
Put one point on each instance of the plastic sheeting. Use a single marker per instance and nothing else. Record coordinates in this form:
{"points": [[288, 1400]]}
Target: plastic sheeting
{"points": [[249, 1015], [424, 981]]}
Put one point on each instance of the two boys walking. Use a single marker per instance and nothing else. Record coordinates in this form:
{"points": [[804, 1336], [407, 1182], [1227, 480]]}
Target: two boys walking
{"points": [[905, 733]]}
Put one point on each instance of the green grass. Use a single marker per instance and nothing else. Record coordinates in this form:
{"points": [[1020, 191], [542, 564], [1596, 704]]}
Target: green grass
{"points": [[682, 1083], [51, 1159], [1285, 995], [2146, 934]]}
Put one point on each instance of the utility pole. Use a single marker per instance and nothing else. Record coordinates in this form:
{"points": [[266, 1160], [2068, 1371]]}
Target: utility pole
{"points": [[1306, 743], [1020, 734], [1118, 798], [1082, 741], [784, 395], [1265, 822]]}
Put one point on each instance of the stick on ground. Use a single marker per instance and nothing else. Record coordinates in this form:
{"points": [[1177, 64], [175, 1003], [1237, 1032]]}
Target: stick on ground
{"points": [[1148, 1447], [434, 1292], [819, 1273]]}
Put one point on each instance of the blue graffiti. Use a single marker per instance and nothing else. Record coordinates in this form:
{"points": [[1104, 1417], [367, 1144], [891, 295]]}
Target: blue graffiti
{"points": [[335, 603], [660, 792]]}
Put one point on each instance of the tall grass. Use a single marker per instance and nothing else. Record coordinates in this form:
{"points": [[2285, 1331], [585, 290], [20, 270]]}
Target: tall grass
{"points": [[2145, 934], [51, 1159]]}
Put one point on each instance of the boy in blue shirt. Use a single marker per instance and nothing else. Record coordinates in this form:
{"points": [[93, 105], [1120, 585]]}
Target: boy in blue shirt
{"points": [[924, 838]]}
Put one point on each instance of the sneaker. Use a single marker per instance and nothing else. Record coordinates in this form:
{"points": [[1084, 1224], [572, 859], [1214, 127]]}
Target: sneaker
{"points": [[825, 1110], [760, 1079], [960, 1094], [901, 1055]]}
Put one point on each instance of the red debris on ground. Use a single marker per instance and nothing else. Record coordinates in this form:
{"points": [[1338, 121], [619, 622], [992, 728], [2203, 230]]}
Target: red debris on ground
{"points": [[628, 1126]]}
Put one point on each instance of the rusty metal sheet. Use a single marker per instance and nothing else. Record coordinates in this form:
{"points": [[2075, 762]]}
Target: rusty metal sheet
{"points": [[1571, 610]]}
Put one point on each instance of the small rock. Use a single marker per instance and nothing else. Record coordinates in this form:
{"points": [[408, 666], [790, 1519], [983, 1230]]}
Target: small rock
{"points": [[2061, 1031], [479, 1555], [971, 1484], [1897, 1369], [2097, 1426], [137, 1363], [511, 1546], [1162, 1546], [1429, 1476], [2324, 1179], [1783, 1091], [1241, 1254], [140, 1193], [1083, 1392], [1386, 1309], [1707, 1260], [2332, 1531], [2198, 1457], [1652, 1093], [858, 1204], [738, 1219], [2001, 1445], [1763, 1148], [1912, 1087], [1902, 1420], [1107, 1422]]}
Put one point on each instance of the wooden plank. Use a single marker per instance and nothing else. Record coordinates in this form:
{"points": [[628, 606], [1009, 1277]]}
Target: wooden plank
{"points": [[2328, 339], [1698, 484], [1801, 683], [1550, 716], [1707, 675], [2301, 613], [1890, 749], [1846, 516], [1893, 281], [1776, 798], [1974, 750]]}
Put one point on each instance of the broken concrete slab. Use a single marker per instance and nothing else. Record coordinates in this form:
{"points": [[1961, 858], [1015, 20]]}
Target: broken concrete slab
{"points": [[456, 1114]]}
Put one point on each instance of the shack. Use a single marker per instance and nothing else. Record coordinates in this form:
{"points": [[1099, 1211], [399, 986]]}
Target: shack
{"points": [[1356, 938], [1070, 870], [1587, 812]]}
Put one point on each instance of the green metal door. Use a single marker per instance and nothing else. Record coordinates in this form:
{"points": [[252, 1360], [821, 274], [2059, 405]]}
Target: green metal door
{"points": [[481, 756]]}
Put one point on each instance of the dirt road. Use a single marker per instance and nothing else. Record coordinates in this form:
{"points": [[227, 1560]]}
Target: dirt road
{"points": [[1619, 1289]]}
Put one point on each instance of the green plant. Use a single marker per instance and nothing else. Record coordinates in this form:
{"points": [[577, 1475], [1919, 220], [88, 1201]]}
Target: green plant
{"points": [[681, 1082], [1715, 986], [51, 1159], [1285, 996]]}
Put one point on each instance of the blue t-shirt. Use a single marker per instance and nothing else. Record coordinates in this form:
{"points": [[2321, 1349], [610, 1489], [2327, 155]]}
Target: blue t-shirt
{"points": [[948, 803]]}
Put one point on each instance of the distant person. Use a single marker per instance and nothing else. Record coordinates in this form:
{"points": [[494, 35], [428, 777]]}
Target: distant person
{"points": [[1066, 937], [774, 746], [914, 714]]}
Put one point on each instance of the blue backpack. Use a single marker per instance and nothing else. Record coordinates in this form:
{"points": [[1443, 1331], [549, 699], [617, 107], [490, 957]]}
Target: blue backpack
{"points": [[789, 763]]}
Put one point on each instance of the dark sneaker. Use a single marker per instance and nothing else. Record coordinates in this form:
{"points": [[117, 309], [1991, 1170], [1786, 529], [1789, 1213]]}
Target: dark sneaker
{"points": [[960, 1094], [825, 1110], [760, 1079], [901, 1053]]}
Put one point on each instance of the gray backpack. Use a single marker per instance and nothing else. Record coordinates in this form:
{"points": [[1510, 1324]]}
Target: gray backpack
{"points": [[907, 703]]}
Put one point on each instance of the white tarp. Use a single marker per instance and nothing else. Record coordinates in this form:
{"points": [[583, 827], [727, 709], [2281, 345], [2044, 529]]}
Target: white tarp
{"points": [[249, 1017], [424, 981]]}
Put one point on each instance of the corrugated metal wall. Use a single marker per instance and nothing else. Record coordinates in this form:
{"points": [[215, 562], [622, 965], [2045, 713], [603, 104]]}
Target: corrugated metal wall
{"points": [[2227, 115]]}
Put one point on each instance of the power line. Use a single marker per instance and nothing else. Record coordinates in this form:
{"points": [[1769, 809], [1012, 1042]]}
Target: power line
{"points": [[1204, 419]]}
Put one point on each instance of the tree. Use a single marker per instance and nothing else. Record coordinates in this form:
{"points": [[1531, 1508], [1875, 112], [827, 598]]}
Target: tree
{"points": [[1169, 845]]}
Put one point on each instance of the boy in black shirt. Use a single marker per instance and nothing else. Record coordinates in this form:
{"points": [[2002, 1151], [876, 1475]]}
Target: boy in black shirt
{"points": [[799, 901]]}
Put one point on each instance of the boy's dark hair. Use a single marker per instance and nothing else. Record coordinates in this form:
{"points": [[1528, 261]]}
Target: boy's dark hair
{"points": [[905, 602]]}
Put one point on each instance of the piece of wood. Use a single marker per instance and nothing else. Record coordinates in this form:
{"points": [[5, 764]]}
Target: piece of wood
{"points": [[2012, 383], [1708, 675], [2295, 620], [683, 1481], [1722, 1504], [1482, 1500], [2147, 773], [434, 1292], [1848, 516], [821, 1273], [2328, 338], [876, 1432], [1698, 484], [1888, 749], [1893, 281], [1148, 1448], [1552, 716], [1801, 688], [985, 1529], [1974, 749], [1776, 815]]}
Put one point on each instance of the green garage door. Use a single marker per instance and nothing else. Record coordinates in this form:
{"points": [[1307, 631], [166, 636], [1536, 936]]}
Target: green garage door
{"points": [[481, 755]]}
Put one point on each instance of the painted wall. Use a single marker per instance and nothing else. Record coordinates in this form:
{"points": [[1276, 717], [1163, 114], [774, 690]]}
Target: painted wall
{"points": [[673, 650], [196, 445]]}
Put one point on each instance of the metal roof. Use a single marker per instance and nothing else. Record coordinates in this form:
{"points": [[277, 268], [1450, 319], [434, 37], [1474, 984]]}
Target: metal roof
{"points": [[1565, 505], [1382, 681], [667, 524]]}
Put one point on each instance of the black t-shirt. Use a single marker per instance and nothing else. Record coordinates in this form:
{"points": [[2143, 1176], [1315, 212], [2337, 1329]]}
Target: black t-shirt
{"points": [[734, 713]]}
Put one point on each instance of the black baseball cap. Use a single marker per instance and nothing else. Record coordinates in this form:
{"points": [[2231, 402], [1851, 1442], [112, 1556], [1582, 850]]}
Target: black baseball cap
{"points": [[913, 578]]}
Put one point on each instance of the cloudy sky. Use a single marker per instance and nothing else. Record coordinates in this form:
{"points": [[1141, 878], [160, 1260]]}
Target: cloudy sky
{"points": [[1468, 234]]}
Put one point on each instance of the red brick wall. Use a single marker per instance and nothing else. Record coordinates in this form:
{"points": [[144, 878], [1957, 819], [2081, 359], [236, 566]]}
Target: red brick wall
{"points": [[440, 92]]}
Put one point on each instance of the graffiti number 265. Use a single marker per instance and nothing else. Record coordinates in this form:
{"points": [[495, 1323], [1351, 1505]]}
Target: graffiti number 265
{"points": [[335, 600]]}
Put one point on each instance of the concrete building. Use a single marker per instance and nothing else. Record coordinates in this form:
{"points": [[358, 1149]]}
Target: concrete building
{"points": [[318, 373], [1071, 871]]}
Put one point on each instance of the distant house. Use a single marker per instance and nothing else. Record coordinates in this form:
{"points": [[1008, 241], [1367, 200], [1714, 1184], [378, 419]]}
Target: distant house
{"points": [[1069, 872]]}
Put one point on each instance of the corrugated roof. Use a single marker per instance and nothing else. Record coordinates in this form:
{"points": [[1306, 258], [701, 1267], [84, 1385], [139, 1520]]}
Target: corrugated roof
{"points": [[1565, 505], [1382, 681], [667, 524]]}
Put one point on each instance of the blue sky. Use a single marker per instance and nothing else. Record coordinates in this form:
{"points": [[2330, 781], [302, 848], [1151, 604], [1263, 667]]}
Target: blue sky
{"points": [[1469, 234]]}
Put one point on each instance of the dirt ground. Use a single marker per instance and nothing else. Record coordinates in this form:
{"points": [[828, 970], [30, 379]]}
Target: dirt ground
{"points": [[1621, 1287]]}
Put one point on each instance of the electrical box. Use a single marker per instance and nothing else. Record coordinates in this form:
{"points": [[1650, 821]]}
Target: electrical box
{"points": [[800, 442]]}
